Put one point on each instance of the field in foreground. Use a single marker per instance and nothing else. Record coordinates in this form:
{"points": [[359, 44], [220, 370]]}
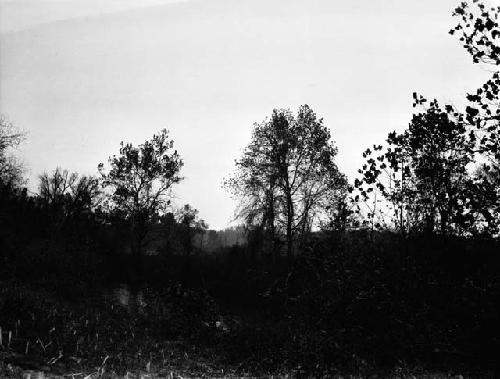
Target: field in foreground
{"points": [[172, 333]]}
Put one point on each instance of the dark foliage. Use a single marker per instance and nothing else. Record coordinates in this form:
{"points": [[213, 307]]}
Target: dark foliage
{"points": [[400, 270]]}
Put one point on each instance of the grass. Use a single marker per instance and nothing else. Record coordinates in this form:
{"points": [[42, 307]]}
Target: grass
{"points": [[97, 338], [178, 334]]}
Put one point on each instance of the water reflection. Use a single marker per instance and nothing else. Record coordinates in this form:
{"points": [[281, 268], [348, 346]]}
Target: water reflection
{"points": [[126, 296]]}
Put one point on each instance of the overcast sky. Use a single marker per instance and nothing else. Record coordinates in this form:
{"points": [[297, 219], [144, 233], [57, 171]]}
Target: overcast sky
{"points": [[82, 75]]}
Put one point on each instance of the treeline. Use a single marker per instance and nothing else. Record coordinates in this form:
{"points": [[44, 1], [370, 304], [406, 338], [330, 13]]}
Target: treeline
{"points": [[80, 227], [401, 264], [70, 225], [440, 176]]}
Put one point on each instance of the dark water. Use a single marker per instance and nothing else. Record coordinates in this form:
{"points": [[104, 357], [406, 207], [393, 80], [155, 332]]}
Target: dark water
{"points": [[134, 300], [125, 296]]}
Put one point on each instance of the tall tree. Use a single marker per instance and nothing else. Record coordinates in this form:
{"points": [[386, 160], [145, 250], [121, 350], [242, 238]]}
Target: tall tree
{"points": [[11, 169], [140, 179], [422, 174], [443, 173], [479, 32], [287, 175]]}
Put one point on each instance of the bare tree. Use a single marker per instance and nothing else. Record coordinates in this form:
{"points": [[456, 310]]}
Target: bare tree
{"points": [[67, 196], [11, 170]]}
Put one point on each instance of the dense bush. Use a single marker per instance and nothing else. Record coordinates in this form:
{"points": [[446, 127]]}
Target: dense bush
{"points": [[389, 299]]}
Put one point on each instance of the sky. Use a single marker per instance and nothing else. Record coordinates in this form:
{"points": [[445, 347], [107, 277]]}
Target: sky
{"points": [[79, 76]]}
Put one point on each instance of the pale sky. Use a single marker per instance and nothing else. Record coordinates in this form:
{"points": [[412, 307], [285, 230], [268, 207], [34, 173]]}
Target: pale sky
{"points": [[82, 75]]}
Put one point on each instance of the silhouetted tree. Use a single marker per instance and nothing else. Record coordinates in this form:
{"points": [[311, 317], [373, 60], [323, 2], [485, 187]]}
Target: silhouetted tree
{"points": [[55, 186], [67, 197], [189, 226], [287, 175], [422, 176], [140, 179], [479, 32], [11, 177], [11, 169], [339, 211], [426, 174]]}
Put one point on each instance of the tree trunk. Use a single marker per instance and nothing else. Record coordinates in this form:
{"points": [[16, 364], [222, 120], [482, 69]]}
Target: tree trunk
{"points": [[137, 235], [271, 219], [289, 225]]}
